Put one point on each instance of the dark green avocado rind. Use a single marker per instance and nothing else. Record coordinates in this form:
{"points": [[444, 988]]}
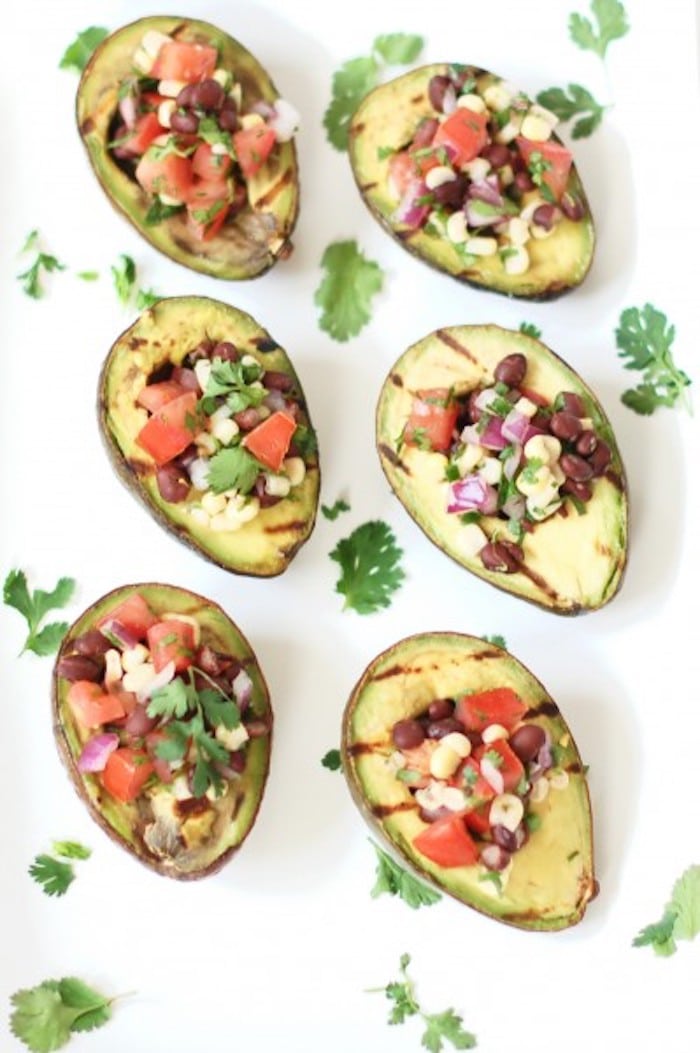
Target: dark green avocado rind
{"points": [[386, 121], [119, 820], [573, 563], [165, 333], [552, 878], [260, 234]]}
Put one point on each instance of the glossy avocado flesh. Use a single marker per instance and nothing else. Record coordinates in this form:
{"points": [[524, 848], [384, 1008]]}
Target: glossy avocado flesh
{"points": [[551, 880], [386, 122], [162, 336], [260, 234], [573, 561], [211, 830]]}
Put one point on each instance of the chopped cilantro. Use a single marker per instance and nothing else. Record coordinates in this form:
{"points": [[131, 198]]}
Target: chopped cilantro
{"points": [[333, 511], [31, 278], [332, 760]]}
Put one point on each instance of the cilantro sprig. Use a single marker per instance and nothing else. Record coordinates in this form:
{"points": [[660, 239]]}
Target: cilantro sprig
{"points": [[530, 330], [393, 880], [34, 606], [680, 919], [612, 23], [43, 264], [644, 338], [44, 1017], [370, 567], [77, 55], [346, 291], [574, 101], [56, 875], [359, 76], [439, 1027], [124, 275], [236, 382], [497, 640], [333, 511]]}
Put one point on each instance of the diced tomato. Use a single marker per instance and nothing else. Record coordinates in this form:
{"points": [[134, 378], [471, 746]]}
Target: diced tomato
{"points": [[269, 440], [509, 767], [170, 175], [447, 843], [478, 820], [464, 135], [171, 641], [160, 765], [500, 705], [402, 172], [169, 431], [146, 129], [134, 614], [208, 205], [154, 396], [91, 706], [253, 146], [177, 60], [210, 166], [468, 777], [126, 772], [432, 420], [554, 157]]}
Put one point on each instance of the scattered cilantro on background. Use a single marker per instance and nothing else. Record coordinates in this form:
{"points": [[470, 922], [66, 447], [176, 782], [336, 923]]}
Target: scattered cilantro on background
{"points": [[333, 511], [439, 1027], [124, 275], [346, 291], [681, 917], [612, 24], [359, 76], [530, 330], [45, 1017], [645, 341], [77, 54], [54, 875], [34, 607], [88, 276], [579, 101], [146, 298], [332, 760], [395, 881], [369, 561], [31, 278], [499, 641]]}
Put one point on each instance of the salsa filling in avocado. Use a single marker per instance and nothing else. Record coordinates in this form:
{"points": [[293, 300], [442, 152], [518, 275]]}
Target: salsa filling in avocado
{"points": [[484, 171], [510, 453], [181, 132]]}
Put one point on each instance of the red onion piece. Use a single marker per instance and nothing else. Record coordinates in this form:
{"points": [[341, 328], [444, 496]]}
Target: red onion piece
{"points": [[263, 108], [518, 428], [128, 108], [514, 507], [126, 637], [484, 399], [449, 102], [512, 463], [492, 775], [492, 436], [96, 751], [408, 213], [472, 494], [284, 120], [494, 857], [275, 401], [139, 723], [486, 190], [159, 680], [243, 689]]}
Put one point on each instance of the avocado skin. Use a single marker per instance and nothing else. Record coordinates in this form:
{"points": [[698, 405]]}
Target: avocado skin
{"points": [[387, 117], [165, 333], [261, 234], [119, 820], [590, 566], [442, 664]]}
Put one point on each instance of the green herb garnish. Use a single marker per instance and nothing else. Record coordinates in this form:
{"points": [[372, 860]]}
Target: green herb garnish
{"points": [[681, 917], [333, 511], [233, 468], [578, 102], [55, 875], [346, 291], [530, 330], [612, 24], [393, 880], [34, 606], [645, 341], [77, 55], [370, 568], [31, 278], [332, 760], [44, 1017]]}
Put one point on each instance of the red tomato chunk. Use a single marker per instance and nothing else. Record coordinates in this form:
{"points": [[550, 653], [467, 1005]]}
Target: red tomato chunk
{"points": [[126, 772], [447, 843], [134, 614], [171, 641], [177, 60], [91, 706], [169, 431], [464, 135], [432, 420], [500, 705], [270, 440]]}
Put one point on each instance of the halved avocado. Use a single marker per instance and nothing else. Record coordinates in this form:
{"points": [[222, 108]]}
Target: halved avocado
{"points": [[552, 879], [162, 336], [261, 232], [209, 832], [574, 560], [385, 122]]}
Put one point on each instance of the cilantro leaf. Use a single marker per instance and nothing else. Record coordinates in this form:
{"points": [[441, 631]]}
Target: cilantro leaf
{"points": [[31, 278], [172, 700], [346, 291], [659, 935], [351, 83], [579, 101], [395, 881], [34, 607], [645, 341], [369, 561], [233, 468], [612, 24], [146, 298], [499, 641], [530, 330], [681, 917], [77, 54], [88, 276], [305, 441], [220, 710], [332, 760], [53, 875], [157, 212], [398, 49], [45, 1016], [124, 276], [94, 1010], [71, 850], [333, 511], [448, 1026]]}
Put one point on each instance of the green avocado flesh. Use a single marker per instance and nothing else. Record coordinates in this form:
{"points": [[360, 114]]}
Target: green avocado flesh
{"points": [[164, 334], [572, 562], [551, 880], [260, 234], [386, 122], [211, 833]]}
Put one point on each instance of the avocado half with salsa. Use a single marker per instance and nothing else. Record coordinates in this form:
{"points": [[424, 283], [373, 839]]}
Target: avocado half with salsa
{"points": [[467, 173], [163, 720], [506, 460], [190, 139], [461, 762], [204, 419]]}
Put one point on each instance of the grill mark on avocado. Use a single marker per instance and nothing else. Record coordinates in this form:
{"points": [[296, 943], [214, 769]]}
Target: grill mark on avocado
{"points": [[381, 811], [178, 29], [274, 190], [139, 468], [357, 749], [456, 346], [551, 593], [417, 98], [479, 656], [266, 343], [281, 528], [87, 126], [394, 670], [543, 709], [136, 342], [575, 768], [614, 479], [191, 806], [357, 129], [369, 186], [396, 380], [393, 458]]}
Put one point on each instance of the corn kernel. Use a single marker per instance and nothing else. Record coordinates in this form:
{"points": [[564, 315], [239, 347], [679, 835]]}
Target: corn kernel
{"points": [[224, 430], [165, 112], [506, 810], [517, 261], [295, 470], [494, 732], [153, 41], [171, 88], [540, 789], [458, 742], [481, 246], [133, 657], [536, 129], [472, 101], [439, 175], [213, 503], [456, 228], [545, 448], [444, 762], [277, 485]]}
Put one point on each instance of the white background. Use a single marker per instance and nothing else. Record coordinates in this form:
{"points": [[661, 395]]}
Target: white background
{"points": [[276, 951]]}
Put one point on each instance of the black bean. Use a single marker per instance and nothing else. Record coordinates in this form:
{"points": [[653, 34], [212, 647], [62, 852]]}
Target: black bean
{"points": [[407, 734], [586, 443], [503, 556], [203, 350], [472, 409], [79, 667], [494, 857], [425, 132], [575, 467], [497, 154], [228, 119], [185, 98], [173, 483], [208, 95], [572, 403], [566, 426], [572, 207], [226, 351], [452, 192], [184, 121], [581, 491], [600, 458], [437, 729], [275, 380], [91, 643], [511, 370], [523, 182], [546, 216], [437, 88], [247, 418], [526, 741], [441, 708], [504, 837]]}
